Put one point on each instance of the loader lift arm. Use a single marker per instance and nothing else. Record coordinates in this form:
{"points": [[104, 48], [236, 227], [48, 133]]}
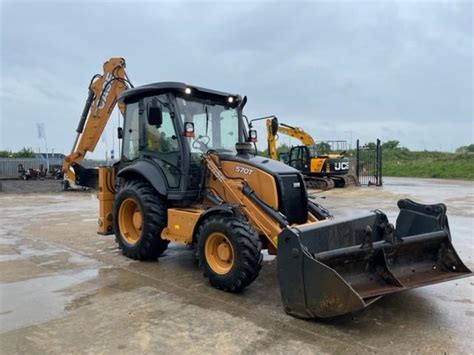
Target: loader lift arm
{"points": [[104, 90], [236, 193]]}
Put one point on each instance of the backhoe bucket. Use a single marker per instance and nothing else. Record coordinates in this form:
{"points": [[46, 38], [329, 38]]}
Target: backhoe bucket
{"points": [[336, 267]]}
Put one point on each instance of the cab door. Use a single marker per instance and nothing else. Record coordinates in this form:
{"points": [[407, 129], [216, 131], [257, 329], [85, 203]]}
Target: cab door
{"points": [[160, 142]]}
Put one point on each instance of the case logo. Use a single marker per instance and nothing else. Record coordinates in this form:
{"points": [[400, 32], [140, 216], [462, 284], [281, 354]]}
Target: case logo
{"points": [[242, 170], [106, 87]]}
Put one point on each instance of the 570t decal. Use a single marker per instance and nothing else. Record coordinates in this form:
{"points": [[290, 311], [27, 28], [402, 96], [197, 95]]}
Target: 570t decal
{"points": [[242, 170]]}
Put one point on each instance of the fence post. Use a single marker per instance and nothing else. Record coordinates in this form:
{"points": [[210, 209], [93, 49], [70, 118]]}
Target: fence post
{"points": [[380, 154], [377, 160], [357, 160]]}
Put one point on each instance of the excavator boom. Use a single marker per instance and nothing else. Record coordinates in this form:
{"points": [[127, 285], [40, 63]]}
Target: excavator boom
{"points": [[273, 127], [321, 171]]}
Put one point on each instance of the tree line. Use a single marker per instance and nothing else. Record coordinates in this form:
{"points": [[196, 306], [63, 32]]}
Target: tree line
{"points": [[22, 153]]}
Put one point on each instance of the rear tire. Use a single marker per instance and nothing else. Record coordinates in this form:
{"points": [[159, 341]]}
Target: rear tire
{"points": [[229, 251], [139, 217]]}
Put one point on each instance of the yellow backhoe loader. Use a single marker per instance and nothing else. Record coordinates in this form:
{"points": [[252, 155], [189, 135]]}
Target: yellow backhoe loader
{"points": [[320, 171], [187, 174]]}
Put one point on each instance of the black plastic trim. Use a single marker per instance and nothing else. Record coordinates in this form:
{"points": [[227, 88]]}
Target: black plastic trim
{"points": [[148, 171]]}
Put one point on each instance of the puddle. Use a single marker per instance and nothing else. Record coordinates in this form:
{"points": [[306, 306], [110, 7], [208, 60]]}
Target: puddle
{"points": [[11, 257], [433, 191], [81, 260], [8, 240], [35, 301]]}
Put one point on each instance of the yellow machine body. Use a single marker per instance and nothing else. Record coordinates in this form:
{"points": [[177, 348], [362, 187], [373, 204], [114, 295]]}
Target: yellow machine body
{"points": [[317, 165], [181, 224], [106, 197], [244, 203]]}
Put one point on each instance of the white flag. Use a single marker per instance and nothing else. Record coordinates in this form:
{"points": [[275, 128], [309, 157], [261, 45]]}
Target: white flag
{"points": [[41, 130]]}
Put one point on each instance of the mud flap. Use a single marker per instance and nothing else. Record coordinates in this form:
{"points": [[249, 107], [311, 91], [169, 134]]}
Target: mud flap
{"points": [[335, 267]]}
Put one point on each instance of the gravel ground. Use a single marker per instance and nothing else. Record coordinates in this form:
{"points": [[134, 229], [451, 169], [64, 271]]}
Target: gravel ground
{"points": [[30, 186]]}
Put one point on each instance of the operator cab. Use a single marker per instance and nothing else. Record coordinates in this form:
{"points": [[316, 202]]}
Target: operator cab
{"points": [[169, 125], [310, 160]]}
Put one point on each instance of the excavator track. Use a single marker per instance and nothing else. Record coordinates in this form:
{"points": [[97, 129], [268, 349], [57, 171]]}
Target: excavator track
{"points": [[345, 181], [318, 183]]}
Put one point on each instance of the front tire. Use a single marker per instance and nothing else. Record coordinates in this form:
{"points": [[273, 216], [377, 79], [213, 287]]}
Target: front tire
{"points": [[230, 252], [139, 218]]}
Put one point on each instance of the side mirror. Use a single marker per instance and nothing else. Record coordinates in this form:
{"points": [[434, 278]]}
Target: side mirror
{"points": [[119, 132], [155, 116], [189, 129], [252, 135], [274, 126]]}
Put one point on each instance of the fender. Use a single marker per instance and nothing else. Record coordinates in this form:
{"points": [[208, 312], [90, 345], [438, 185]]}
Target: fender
{"points": [[223, 209], [149, 172]]}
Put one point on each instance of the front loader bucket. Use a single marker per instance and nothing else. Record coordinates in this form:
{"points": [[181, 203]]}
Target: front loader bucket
{"points": [[336, 267]]}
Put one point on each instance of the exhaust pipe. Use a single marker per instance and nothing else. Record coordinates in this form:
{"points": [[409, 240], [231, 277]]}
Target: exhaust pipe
{"points": [[336, 267]]}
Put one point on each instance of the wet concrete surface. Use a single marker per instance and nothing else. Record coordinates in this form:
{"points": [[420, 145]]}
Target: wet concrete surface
{"points": [[65, 289], [14, 186]]}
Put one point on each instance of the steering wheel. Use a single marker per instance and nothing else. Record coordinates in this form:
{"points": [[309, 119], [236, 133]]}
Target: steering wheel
{"points": [[201, 143]]}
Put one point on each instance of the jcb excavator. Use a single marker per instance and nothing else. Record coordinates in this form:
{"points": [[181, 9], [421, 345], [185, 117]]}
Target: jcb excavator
{"points": [[187, 174], [320, 171]]}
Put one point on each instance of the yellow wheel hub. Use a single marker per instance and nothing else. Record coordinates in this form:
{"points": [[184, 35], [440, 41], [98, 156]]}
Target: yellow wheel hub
{"points": [[219, 253], [130, 220]]}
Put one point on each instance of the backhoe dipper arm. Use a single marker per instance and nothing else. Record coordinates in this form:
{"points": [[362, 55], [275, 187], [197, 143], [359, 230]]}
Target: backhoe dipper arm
{"points": [[290, 131], [103, 94]]}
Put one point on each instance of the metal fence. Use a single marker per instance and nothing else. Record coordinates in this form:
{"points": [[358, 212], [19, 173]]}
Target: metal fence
{"points": [[336, 146], [9, 166], [369, 163]]}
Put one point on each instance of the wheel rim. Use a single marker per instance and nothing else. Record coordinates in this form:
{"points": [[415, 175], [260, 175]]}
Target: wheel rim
{"points": [[219, 253], [130, 221]]}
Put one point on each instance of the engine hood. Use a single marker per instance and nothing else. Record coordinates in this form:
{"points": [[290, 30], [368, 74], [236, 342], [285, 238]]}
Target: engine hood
{"points": [[268, 165]]}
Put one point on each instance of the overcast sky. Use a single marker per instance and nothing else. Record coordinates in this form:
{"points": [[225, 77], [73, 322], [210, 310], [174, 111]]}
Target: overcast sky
{"points": [[393, 70]]}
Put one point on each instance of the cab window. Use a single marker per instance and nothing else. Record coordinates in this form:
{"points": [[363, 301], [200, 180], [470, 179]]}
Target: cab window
{"points": [[161, 141], [131, 135]]}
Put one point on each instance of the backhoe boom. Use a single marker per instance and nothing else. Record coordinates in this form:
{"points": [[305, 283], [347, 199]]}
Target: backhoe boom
{"points": [[103, 93]]}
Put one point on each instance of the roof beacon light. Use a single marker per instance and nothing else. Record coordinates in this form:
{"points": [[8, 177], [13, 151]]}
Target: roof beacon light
{"points": [[253, 136], [189, 129], [187, 91]]}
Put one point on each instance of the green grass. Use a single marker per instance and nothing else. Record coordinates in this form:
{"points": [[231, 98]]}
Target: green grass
{"points": [[401, 162]]}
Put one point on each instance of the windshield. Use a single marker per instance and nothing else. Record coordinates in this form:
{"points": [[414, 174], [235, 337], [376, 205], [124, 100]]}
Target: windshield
{"points": [[216, 127], [313, 151]]}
